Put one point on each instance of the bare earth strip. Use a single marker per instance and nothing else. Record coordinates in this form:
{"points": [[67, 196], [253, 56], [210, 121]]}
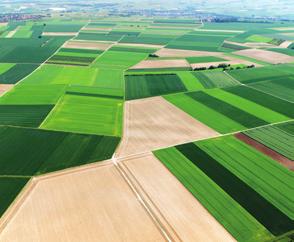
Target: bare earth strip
{"points": [[3, 24], [83, 205], [265, 55], [185, 215], [59, 33], [165, 52], [284, 28], [140, 45], [11, 33], [154, 123], [86, 45], [5, 88], [145, 64], [285, 44], [267, 151], [220, 30], [252, 44]]}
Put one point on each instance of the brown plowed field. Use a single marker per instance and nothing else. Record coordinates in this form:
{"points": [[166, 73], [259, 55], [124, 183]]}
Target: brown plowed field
{"points": [[86, 45], [154, 123], [145, 64], [94, 204], [165, 52], [189, 220], [265, 150], [5, 88], [265, 55]]}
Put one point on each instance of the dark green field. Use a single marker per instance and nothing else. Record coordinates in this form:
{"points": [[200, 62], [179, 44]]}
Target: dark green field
{"points": [[140, 86], [23, 115], [16, 73], [41, 151]]}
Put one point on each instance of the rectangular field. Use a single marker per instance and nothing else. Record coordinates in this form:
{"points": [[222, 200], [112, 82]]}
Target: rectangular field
{"points": [[140, 86], [86, 114]]}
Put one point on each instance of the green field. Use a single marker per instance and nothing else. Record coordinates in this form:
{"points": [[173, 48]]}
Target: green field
{"points": [[240, 116], [16, 73], [282, 88], [9, 189], [276, 104], [279, 137], [203, 59], [86, 114], [261, 74], [140, 86], [41, 151], [238, 177], [33, 94], [23, 115], [212, 79], [224, 208], [251, 107]]}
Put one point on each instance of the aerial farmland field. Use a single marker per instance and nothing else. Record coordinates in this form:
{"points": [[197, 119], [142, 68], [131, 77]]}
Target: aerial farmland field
{"points": [[143, 121]]}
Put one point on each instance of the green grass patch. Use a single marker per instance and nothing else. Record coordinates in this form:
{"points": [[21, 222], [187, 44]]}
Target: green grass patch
{"points": [[190, 81]]}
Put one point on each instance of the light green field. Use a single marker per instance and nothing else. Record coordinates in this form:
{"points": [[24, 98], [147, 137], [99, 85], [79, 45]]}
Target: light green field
{"points": [[250, 166], [225, 209], [5, 67], [86, 114], [259, 38], [33, 94], [190, 81], [255, 109], [54, 74], [206, 115], [23, 32], [119, 59], [109, 78]]}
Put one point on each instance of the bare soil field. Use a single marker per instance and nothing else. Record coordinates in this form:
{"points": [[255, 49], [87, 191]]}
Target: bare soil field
{"points": [[149, 121], [188, 219], [285, 44], [81, 205], [3, 24], [165, 52], [284, 28], [220, 30], [265, 55], [267, 151], [59, 33], [140, 45], [259, 45], [5, 88], [86, 45], [145, 64]]}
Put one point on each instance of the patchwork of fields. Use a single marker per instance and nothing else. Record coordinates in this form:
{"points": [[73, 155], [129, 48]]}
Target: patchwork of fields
{"points": [[151, 130]]}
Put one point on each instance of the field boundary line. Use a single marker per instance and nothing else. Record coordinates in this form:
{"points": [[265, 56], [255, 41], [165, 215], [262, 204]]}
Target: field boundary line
{"points": [[148, 200], [17, 203], [269, 94], [142, 201]]}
